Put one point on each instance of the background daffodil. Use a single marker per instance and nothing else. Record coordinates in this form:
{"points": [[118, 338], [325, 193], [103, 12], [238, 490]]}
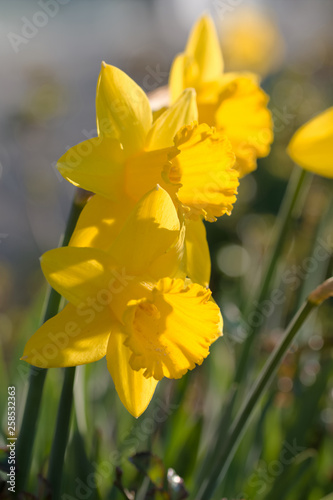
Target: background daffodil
{"points": [[311, 146], [131, 304], [233, 102]]}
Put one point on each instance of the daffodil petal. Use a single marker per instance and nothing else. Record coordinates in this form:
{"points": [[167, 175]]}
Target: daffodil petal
{"points": [[144, 171], [171, 263], [204, 46], [244, 117], [183, 75], [205, 170], [172, 331], [84, 276], [134, 389], [100, 222], [151, 229], [197, 252], [73, 337], [311, 146], [123, 109], [183, 112], [95, 165]]}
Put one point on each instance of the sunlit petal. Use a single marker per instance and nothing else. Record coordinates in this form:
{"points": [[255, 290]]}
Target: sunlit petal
{"points": [[152, 228], [172, 263], [311, 146], [178, 79], [244, 117], [100, 222], [145, 170], [73, 337], [134, 389], [79, 273], [204, 46], [123, 109], [183, 112], [95, 165], [197, 252]]}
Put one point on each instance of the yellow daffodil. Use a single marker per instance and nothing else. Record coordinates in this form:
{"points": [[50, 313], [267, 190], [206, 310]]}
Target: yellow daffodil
{"points": [[130, 304], [233, 102], [311, 146], [194, 163]]}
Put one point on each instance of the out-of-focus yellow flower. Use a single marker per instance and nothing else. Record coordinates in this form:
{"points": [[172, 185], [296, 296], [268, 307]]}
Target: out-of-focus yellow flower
{"points": [[311, 146], [129, 304], [251, 41], [233, 102]]}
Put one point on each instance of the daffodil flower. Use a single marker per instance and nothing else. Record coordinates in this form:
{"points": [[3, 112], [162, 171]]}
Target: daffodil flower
{"points": [[131, 304], [311, 146], [233, 102], [131, 154]]}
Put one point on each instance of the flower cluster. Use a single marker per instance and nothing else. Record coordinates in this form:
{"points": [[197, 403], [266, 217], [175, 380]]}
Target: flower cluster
{"points": [[137, 268]]}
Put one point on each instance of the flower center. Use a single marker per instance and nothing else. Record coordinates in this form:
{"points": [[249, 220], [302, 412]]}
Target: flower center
{"points": [[147, 320]]}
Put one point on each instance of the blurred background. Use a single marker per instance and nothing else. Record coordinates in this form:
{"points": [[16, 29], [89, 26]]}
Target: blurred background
{"points": [[50, 54]]}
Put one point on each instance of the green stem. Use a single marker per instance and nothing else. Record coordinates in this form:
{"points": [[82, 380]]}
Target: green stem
{"points": [[291, 196], [29, 424], [61, 433], [242, 419], [37, 375]]}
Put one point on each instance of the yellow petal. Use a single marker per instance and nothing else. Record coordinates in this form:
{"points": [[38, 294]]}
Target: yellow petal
{"points": [[95, 165], [311, 146], [172, 263], [100, 222], [200, 64], [179, 78], [134, 389], [197, 252], [144, 171], [204, 46], [123, 109], [183, 112], [73, 337], [83, 276], [244, 117], [205, 170], [151, 229], [171, 332]]}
